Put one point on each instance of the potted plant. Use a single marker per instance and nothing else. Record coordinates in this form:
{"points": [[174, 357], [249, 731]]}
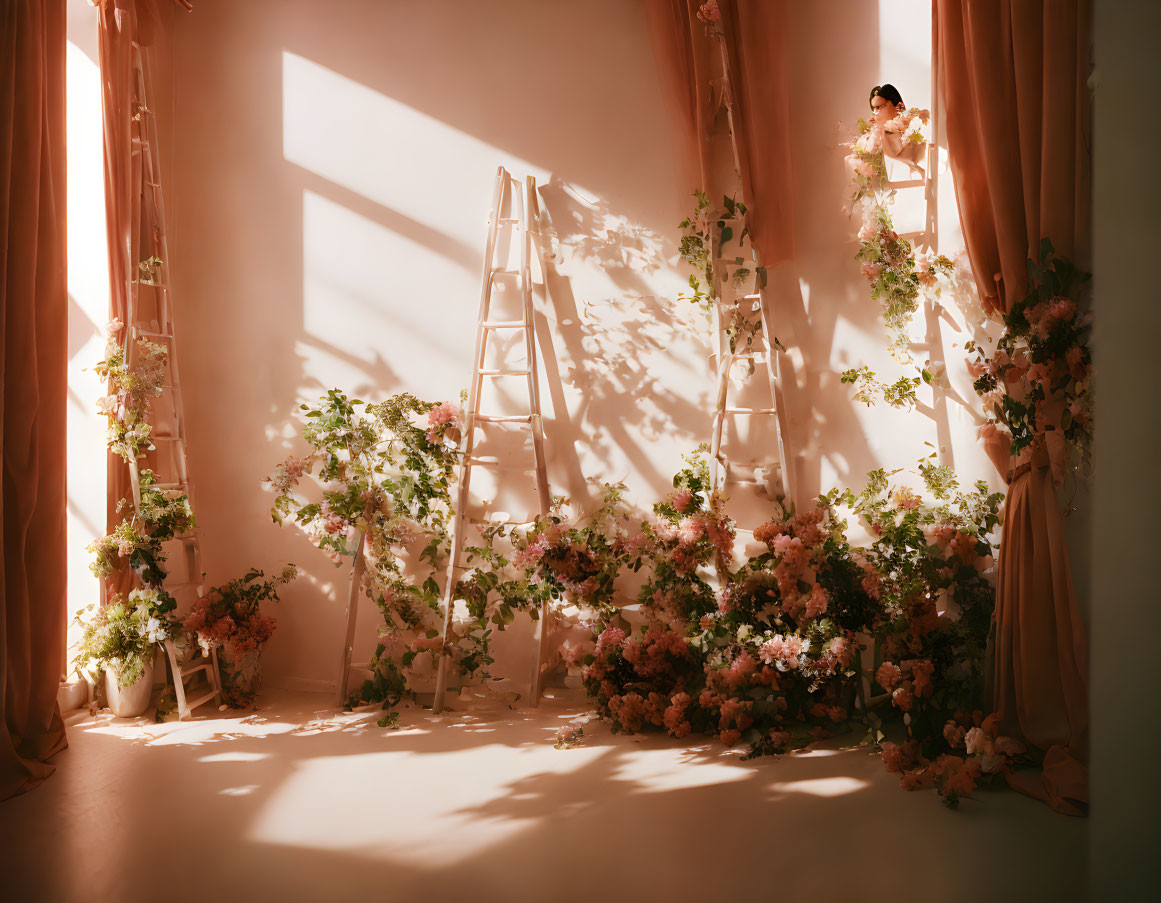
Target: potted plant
{"points": [[120, 641], [229, 618]]}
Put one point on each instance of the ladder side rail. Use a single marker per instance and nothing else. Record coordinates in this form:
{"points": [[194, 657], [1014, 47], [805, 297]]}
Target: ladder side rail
{"points": [[530, 221], [354, 592], [468, 438]]}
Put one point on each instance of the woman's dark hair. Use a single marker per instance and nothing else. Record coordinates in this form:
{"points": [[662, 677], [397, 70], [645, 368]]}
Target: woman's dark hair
{"points": [[889, 93]]}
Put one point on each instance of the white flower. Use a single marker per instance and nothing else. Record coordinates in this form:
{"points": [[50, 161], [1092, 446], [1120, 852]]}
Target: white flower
{"points": [[156, 631]]}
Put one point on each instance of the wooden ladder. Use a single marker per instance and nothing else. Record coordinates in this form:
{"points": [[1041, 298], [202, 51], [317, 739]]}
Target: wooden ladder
{"points": [[154, 277], [748, 306], [523, 220]]}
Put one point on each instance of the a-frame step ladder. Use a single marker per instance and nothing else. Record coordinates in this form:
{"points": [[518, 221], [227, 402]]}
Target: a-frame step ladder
{"points": [[754, 308], [150, 272], [515, 208]]}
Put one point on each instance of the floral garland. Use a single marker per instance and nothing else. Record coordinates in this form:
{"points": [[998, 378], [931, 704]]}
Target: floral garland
{"points": [[1037, 386], [131, 390], [710, 228], [386, 480], [137, 542], [889, 263]]}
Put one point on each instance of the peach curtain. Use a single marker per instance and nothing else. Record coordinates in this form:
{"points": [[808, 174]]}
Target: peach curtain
{"points": [[754, 34], [1014, 76], [33, 358]]}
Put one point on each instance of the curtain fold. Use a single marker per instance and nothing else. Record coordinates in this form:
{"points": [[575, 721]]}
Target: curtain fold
{"points": [[1014, 79], [33, 361], [754, 32]]}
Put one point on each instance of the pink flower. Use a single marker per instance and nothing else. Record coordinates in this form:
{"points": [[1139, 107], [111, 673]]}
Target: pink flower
{"points": [[682, 499], [440, 417], [731, 736], [1074, 358], [921, 672], [954, 734], [708, 12], [892, 757], [783, 651], [888, 675], [816, 604], [842, 649], [975, 741], [114, 326], [872, 271], [610, 638], [902, 698]]}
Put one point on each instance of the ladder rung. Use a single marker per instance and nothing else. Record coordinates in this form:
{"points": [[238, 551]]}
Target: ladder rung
{"points": [[163, 486], [751, 410], [509, 219], [503, 418], [203, 664], [498, 271], [486, 459], [504, 372], [164, 288], [505, 324], [137, 330], [751, 297], [907, 183], [206, 697], [167, 437]]}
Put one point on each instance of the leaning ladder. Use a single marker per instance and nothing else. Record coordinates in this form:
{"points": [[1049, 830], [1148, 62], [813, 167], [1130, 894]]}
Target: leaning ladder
{"points": [[146, 171], [519, 200], [767, 347]]}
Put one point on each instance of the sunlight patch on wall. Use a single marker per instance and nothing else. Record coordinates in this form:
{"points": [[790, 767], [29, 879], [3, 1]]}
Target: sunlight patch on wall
{"points": [[388, 152], [397, 305], [88, 286]]}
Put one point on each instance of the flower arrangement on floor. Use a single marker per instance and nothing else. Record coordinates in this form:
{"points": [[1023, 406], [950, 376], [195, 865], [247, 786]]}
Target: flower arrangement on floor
{"points": [[764, 659], [933, 569], [229, 618], [1037, 385], [122, 636]]}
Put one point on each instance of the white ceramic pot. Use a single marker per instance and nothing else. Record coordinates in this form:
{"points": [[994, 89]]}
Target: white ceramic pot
{"points": [[131, 701]]}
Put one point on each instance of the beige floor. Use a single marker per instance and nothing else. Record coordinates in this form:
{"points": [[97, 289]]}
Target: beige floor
{"points": [[294, 802]]}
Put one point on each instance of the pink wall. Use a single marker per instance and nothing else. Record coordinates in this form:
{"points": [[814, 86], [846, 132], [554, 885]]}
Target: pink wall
{"points": [[332, 171]]}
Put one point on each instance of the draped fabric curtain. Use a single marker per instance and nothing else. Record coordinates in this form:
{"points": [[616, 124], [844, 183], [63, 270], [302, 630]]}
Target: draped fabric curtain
{"points": [[1014, 77], [754, 33], [33, 358]]}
